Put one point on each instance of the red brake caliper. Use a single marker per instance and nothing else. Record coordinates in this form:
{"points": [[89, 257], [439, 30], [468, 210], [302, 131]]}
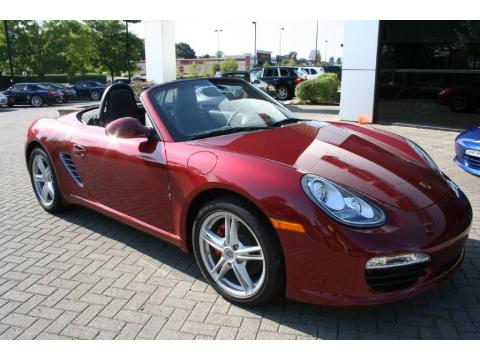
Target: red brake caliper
{"points": [[220, 232]]}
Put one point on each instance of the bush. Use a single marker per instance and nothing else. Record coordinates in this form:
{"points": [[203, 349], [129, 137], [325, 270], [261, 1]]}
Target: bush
{"points": [[139, 86], [215, 68], [229, 65], [322, 89]]}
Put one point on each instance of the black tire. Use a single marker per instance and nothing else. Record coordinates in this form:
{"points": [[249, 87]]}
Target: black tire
{"points": [[10, 105], [459, 103], [283, 93], [95, 95], [36, 101], [274, 282], [58, 203]]}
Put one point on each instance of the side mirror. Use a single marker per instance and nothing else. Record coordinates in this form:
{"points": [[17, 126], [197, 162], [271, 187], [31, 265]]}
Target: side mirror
{"points": [[127, 128]]}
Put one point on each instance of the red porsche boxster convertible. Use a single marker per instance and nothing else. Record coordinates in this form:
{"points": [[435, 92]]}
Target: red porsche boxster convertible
{"points": [[327, 213]]}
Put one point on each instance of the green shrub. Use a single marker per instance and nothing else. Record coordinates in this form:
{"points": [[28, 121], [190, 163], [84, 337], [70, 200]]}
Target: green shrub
{"points": [[139, 86], [322, 89], [215, 68], [229, 65]]}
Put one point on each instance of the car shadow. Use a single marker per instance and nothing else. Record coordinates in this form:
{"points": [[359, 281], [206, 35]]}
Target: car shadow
{"points": [[430, 315]]}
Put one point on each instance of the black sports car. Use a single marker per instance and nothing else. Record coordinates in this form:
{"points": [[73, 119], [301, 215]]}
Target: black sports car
{"points": [[32, 94], [89, 89], [68, 93]]}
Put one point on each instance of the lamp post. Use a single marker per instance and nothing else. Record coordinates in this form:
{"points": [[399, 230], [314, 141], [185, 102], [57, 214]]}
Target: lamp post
{"points": [[326, 43], [280, 47], [9, 50], [316, 46], [218, 31], [128, 46], [255, 44]]}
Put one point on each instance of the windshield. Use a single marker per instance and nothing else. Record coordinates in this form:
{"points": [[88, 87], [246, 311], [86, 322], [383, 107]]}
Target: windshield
{"points": [[208, 107]]}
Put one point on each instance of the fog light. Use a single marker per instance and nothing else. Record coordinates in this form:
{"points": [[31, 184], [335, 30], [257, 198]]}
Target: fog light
{"points": [[473, 152], [382, 262]]}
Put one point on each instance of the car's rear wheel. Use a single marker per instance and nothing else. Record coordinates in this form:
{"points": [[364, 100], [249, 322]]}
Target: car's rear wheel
{"points": [[44, 182], [283, 93], [95, 95], [36, 101], [458, 103], [238, 252]]}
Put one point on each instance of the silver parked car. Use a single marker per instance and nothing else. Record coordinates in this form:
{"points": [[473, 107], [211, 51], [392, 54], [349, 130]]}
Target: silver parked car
{"points": [[3, 100]]}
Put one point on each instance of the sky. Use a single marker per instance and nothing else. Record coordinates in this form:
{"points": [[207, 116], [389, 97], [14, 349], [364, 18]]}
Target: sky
{"points": [[237, 37]]}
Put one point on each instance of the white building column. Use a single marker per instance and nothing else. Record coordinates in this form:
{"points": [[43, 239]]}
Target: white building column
{"points": [[359, 70], [160, 61]]}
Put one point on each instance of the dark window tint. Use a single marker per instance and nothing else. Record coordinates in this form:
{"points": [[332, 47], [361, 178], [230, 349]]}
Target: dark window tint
{"points": [[427, 73], [284, 72], [270, 72]]}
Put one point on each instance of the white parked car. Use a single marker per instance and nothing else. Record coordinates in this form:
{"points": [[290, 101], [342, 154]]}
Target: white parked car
{"points": [[312, 71], [3, 100]]}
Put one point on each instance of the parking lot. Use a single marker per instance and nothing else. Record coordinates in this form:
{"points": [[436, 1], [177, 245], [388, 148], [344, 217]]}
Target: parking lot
{"points": [[80, 275]]}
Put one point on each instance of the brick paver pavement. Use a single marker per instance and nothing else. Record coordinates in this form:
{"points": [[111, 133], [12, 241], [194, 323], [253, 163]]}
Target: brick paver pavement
{"points": [[80, 275]]}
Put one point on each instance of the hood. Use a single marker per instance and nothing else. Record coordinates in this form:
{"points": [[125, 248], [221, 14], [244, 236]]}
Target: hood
{"points": [[375, 163]]}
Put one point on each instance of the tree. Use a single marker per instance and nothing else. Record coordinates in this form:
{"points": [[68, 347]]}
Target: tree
{"points": [[338, 61], [206, 56], [219, 54], [183, 50], [331, 61], [109, 46], [292, 62], [229, 65], [292, 55]]}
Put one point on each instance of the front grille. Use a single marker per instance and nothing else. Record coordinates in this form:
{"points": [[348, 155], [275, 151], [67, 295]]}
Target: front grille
{"points": [[71, 169], [395, 277], [473, 161]]}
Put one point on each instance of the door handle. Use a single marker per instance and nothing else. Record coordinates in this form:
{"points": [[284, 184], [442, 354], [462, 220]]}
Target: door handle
{"points": [[78, 150]]}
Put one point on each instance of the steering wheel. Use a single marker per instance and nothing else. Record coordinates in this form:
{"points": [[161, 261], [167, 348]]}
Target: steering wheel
{"points": [[231, 117]]}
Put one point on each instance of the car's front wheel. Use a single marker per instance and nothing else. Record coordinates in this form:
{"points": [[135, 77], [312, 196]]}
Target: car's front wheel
{"points": [[238, 252], [95, 95], [44, 182], [36, 101]]}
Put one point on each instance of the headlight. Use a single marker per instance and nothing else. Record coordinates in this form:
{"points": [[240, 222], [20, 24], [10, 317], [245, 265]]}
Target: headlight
{"points": [[340, 203], [423, 154]]}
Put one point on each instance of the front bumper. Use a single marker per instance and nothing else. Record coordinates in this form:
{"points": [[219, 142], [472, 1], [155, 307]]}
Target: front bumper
{"points": [[326, 265]]}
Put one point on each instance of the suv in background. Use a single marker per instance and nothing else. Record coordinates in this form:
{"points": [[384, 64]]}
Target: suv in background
{"points": [[283, 78], [312, 71], [249, 77]]}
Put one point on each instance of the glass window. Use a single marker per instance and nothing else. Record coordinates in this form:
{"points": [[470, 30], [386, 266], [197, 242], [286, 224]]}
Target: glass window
{"points": [[17, 88], [313, 72], [284, 72], [270, 72], [201, 108], [429, 73]]}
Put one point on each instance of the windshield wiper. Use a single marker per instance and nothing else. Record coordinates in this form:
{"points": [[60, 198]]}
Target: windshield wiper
{"points": [[224, 131], [289, 121]]}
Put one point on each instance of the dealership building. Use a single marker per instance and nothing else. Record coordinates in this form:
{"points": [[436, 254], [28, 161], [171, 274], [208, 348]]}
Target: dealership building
{"points": [[423, 73]]}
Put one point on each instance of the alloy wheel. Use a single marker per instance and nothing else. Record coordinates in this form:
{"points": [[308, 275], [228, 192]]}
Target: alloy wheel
{"points": [[43, 180], [282, 93], [232, 254]]}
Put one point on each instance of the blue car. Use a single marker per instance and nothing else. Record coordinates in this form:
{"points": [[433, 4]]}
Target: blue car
{"points": [[467, 151], [32, 94], [89, 89]]}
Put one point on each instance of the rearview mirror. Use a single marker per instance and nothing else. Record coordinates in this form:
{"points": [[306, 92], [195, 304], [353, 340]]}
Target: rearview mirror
{"points": [[127, 128]]}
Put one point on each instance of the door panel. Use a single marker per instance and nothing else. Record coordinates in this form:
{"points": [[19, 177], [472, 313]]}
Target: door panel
{"points": [[127, 175]]}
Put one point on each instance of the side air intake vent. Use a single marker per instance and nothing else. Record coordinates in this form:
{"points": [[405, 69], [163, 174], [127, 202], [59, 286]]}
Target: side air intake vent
{"points": [[70, 166]]}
